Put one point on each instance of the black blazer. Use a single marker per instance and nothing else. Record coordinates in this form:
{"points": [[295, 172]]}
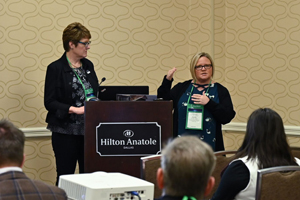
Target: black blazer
{"points": [[58, 88]]}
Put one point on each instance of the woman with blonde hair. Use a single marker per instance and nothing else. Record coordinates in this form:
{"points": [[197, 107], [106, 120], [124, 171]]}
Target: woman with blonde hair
{"points": [[200, 104]]}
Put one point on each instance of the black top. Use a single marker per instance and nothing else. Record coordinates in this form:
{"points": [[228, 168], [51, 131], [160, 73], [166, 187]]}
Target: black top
{"points": [[234, 179], [223, 111], [58, 89]]}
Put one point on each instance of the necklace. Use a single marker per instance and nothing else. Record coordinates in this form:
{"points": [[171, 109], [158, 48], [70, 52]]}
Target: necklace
{"points": [[72, 65]]}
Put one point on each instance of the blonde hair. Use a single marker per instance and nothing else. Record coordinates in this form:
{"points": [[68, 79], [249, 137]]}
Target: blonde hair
{"points": [[194, 61]]}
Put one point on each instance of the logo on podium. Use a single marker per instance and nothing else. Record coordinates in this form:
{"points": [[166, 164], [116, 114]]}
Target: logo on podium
{"points": [[128, 133], [128, 138]]}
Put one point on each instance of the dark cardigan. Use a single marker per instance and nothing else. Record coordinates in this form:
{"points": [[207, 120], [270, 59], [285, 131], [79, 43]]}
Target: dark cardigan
{"points": [[223, 111], [58, 89]]}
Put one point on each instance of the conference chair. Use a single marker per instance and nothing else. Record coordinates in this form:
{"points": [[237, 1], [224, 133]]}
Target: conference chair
{"points": [[281, 182], [149, 166], [223, 158]]}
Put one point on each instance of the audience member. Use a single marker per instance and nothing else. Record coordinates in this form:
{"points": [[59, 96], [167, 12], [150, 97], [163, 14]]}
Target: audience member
{"points": [[14, 184], [186, 167], [265, 145]]}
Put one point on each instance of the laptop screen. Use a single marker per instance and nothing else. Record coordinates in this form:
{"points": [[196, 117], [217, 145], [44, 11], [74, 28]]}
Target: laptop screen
{"points": [[109, 93]]}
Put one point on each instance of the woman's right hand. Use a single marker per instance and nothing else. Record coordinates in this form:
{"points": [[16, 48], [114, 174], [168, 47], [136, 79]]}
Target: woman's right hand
{"points": [[171, 73], [76, 110]]}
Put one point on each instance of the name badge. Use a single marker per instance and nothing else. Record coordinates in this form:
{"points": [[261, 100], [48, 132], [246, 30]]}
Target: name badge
{"points": [[194, 117]]}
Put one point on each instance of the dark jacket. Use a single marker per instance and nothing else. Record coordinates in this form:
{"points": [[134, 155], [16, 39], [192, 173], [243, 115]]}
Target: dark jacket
{"points": [[58, 88], [222, 112], [16, 185]]}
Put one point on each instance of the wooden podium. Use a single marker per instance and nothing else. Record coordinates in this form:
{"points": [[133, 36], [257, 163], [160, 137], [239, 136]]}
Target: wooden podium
{"points": [[103, 117]]}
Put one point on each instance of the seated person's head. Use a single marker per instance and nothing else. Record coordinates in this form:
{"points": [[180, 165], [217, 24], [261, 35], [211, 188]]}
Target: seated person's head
{"points": [[265, 131], [264, 121], [265, 136], [186, 167], [11, 145]]}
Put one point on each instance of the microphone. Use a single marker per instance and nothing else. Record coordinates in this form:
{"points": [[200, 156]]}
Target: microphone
{"points": [[102, 80]]}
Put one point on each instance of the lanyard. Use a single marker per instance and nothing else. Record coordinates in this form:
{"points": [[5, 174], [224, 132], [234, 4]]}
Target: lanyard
{"points": [[77, 77], [187, 198], [193, 88]]}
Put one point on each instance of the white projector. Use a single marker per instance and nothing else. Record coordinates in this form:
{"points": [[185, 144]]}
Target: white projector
{"points": [[105, 186]]}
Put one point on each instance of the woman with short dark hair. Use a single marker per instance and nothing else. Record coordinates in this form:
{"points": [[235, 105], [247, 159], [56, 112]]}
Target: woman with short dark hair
{"points": [[70, 81]]}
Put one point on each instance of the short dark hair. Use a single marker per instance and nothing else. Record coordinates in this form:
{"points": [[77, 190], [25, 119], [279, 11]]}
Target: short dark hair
{"points": [[74, 32], [12, 142]]}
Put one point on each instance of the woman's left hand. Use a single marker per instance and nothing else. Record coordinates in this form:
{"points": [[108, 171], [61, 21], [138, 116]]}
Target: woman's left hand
{"points": [[200, 99]]}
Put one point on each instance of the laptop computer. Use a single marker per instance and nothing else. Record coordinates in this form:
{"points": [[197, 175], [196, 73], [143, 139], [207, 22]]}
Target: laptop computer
{"points": [[109, 93]]}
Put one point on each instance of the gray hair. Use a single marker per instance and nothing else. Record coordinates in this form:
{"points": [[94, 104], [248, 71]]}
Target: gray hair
{"points": [[187, 163]]}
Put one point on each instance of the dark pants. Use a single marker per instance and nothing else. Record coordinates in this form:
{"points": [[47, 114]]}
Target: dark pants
{"points": [[68, 149]]}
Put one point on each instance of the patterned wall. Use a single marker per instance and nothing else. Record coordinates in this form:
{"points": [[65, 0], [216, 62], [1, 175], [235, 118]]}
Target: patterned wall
{"points": [[133, 43], [39, 161], [255, 45], [258, 43]]}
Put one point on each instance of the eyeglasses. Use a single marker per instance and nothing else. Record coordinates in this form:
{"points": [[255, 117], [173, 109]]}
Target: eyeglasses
{"points": [[86, 43], [199, 67]]}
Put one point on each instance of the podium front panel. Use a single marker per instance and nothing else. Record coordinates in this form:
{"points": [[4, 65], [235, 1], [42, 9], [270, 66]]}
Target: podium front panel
{"points": [[118, 133]]}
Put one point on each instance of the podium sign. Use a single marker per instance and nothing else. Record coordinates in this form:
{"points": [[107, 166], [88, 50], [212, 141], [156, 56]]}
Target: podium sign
{"points": [[119, 133], [128, 139]]}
